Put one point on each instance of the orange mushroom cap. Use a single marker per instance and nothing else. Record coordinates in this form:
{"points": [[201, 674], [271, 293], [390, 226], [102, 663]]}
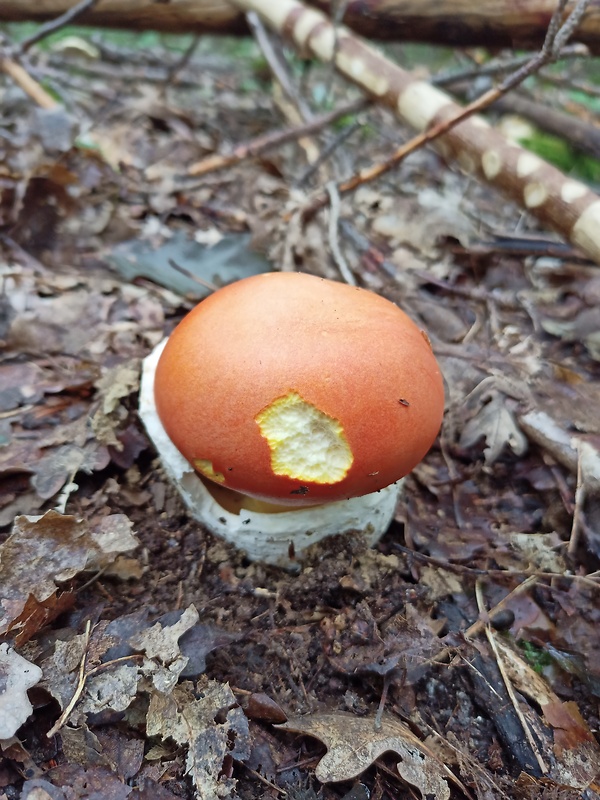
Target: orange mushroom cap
{"points": [[299, 390]]}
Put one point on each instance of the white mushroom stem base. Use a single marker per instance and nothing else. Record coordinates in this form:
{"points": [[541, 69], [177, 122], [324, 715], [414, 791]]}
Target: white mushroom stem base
{"points": [[274, 534]]}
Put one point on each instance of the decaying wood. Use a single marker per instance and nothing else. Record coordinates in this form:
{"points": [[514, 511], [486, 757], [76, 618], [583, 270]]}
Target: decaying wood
{"points": [[566, 205], [494, 23]]}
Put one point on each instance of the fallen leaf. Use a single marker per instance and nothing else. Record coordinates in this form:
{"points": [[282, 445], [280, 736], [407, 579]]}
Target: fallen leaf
{"points": [[40, 789], [114, 385], [497, 425], [165, 660], [353, 744], [569, 726], [17, 675], [540, 551], [43, 552], [188, 716]]}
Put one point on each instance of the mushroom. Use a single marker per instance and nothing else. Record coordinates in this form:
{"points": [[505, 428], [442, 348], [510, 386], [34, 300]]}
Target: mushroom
{"points": [[287, 408]]}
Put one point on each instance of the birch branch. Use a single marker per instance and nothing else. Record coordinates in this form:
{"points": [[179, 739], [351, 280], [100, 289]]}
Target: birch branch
{"points": [[568, 206]]}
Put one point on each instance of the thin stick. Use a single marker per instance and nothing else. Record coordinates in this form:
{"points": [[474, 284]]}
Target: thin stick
{"points": [[334, 242], [387, 679], [80, 684], [591, 580], [576, 526], [56, 24], [196, 278], [328, 151], [181, 62], [267, 782], [30, 86], [473, 629], [500, 66], [274, 139]]}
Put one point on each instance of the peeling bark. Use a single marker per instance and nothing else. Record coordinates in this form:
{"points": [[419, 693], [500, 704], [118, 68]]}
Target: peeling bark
{"points": [[494, 23]]}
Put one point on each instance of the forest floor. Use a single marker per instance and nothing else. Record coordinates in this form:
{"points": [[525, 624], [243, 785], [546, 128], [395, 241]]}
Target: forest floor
{"points": [[166, 660]]}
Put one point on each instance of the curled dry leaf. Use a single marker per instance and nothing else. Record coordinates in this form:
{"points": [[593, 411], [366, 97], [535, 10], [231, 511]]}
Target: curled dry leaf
{"points": [[353, 744], [189, 717], [161, 644], [114, 385], [17, 675], [43, 552]]}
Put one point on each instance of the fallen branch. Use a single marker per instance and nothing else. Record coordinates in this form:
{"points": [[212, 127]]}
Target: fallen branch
{"points": [[491, 23], [68, 18], [568, 206]]}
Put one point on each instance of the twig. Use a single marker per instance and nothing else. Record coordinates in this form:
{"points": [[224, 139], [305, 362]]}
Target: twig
{"points": [[387, 679], [80, 684], [592, 580], [507, 683], [56, 24], [112, 662], [334, 242], [275, 139], [328, 151], [276, 64], [473, 629], [207, 284], [181, 62], [571, 83], [24, 80], [576, 526], [501, 66], [267, 782], [556, 38]]}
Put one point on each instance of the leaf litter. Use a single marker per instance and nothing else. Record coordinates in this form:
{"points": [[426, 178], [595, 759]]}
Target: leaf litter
{"points": [[156, 657]]}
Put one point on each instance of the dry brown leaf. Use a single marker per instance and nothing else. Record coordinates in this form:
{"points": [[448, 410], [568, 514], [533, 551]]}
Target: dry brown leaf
{"points": [[188, 717], [114, 385], [540, 551], [353, 744], [161, 644], [36, 615], [570, 728], [497, 425], [43, 552]]}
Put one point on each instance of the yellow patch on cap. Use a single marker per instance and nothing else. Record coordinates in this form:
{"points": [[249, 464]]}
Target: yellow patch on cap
{"points": [[205, 467], [306, 444]]}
